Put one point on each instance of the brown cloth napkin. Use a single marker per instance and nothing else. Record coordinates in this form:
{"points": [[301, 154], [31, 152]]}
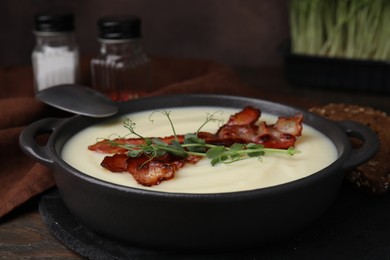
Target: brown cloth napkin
{"points": [[21, 177]]}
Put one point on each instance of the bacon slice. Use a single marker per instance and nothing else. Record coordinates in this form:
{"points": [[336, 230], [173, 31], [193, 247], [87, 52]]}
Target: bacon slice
{"points": [[248, 116], [107, 146], [151, 172], [145, 171], [115, 163], [242, 127]]}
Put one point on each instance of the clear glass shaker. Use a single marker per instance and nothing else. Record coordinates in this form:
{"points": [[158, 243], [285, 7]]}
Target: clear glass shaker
{"points": [[55, 57], [122, 70]]}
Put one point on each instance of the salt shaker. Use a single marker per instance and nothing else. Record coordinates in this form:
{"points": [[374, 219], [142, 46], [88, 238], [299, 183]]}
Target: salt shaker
{"points": [[55, 57], [122, 70]]}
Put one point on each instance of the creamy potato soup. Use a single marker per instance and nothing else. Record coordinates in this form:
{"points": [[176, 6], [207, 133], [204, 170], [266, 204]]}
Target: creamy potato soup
{"points": [[316, 152]]}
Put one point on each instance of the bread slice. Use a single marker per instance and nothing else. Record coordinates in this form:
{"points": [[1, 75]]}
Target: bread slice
{"points": [[374, 175]]}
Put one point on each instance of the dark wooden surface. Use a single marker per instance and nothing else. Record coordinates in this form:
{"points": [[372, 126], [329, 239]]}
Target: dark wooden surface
{"points": [[23, 234]]}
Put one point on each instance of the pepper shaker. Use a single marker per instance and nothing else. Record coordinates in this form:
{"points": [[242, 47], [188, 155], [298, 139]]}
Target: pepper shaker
{"points": [[122, 70]]}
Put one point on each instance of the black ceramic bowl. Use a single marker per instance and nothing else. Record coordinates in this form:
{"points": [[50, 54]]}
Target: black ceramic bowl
{"points": [[198, 221]]}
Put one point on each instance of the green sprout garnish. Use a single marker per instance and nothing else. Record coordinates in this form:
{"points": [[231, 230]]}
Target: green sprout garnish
{"points": [[193, 145]]}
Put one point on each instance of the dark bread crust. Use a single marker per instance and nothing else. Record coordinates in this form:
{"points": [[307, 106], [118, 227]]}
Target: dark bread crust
{"points": [[374, 175]]}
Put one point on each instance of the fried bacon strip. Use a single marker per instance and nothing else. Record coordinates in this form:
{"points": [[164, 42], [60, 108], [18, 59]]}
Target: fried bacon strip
{"points": [[242, 127], [106, 146], [146, 171]]}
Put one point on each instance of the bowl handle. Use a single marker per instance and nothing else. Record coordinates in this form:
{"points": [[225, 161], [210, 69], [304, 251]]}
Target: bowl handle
{"points": [[369, 147], [29, 144]]}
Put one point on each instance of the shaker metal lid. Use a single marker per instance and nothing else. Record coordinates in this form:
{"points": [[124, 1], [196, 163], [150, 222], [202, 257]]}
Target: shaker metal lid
{"points": [[119, 27], [54, 22]]}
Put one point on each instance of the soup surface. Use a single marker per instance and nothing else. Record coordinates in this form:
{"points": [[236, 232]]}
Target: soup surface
{"points": [[316, 152]]}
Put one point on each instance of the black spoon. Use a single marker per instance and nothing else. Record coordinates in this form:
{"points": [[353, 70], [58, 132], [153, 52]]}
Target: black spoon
{"points": [[79, 100]]}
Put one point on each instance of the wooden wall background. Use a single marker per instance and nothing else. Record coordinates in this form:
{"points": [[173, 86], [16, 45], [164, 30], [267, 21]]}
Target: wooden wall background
{"points": [[235, 32]]}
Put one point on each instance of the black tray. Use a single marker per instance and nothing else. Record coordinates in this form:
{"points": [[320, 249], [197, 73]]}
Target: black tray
{"points": [[338, 73], [357, 226]]}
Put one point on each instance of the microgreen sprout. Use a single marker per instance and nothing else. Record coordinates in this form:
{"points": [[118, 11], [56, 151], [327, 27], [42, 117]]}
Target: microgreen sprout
{"points": [[130, 125], [210, 118], [168, 115]]}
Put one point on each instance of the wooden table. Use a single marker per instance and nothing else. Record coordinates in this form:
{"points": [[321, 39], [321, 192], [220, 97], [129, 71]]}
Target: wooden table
{"points": [[23, 233]]}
